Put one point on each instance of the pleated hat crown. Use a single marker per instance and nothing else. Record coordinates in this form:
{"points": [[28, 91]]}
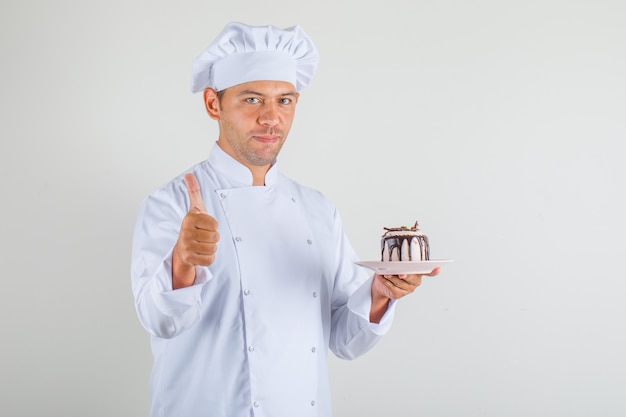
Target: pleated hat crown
{"points": [[243, 53]]}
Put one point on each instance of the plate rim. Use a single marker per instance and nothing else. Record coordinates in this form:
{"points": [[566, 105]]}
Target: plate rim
{"points": [[377, 267]]}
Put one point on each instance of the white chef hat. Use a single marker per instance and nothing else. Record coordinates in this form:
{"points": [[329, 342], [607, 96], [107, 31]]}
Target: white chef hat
{"points": [[243, 53]]}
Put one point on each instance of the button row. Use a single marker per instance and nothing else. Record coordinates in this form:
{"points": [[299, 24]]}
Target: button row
{"points": [[251, 349], [257, 404], [248, 292], [223, 196], [240, 239]]}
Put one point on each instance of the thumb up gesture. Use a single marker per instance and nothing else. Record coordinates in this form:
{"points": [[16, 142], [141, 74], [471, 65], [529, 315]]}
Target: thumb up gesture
{"points": [[197, 241]]}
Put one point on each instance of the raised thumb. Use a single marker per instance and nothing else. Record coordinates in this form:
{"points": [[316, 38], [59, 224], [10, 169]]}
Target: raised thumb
{"points": [[196, 203]]}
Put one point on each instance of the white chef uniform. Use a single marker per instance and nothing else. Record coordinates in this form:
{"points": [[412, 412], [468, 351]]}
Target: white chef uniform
{"points": [[250, 337]]}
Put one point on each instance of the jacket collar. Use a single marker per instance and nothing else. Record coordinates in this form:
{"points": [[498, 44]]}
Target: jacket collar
{"points": [[235, 173]]}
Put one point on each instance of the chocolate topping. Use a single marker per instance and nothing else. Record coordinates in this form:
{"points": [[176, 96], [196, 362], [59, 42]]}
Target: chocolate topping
{"points": [[397, 246]]}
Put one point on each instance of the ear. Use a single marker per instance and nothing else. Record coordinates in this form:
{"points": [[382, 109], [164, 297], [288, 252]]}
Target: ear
{"points": [[211, 103]]}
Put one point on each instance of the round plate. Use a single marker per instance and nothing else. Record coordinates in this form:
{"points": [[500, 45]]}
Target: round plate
{"points": [[404, 267]]}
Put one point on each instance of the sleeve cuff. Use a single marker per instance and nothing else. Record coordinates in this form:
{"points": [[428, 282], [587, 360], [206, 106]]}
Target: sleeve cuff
{"points": [[174, 302], [360, 303]]}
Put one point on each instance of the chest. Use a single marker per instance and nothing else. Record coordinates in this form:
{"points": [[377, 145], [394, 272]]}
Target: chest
{"points": [[269, 235]]}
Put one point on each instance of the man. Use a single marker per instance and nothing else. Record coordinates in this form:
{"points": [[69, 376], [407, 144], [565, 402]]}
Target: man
{"points": [[243, 277]]}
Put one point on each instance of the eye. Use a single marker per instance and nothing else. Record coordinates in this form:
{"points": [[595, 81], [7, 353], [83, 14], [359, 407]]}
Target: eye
{"points": [[252, 100], [285, 101]]}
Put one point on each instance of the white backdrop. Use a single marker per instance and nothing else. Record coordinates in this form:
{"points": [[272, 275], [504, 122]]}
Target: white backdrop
{"points": [[497, 124]]}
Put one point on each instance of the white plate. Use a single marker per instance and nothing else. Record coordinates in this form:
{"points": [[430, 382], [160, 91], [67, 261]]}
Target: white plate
{"points": [[404, 267]]}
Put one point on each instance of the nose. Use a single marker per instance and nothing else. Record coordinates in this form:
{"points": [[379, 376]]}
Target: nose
{"points": [[269, 115]]}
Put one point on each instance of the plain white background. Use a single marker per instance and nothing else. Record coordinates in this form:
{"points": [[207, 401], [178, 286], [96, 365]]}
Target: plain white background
{"points": [[497, 124]]}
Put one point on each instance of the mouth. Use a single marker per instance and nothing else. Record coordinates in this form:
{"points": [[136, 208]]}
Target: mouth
{"points": [[266, 138]]}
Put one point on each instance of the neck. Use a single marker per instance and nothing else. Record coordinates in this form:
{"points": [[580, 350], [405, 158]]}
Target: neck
{"points": [[258, 174]]}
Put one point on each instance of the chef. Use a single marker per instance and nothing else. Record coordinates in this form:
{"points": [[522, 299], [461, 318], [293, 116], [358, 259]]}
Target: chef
{"points": [[243, 277]]}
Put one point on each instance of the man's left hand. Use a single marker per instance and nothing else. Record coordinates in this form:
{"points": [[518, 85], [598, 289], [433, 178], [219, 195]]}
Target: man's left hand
{"points": [[397, 286], [386, 287]]}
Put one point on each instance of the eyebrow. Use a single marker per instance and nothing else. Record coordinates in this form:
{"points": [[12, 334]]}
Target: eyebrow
{"points": [[256, 93]]}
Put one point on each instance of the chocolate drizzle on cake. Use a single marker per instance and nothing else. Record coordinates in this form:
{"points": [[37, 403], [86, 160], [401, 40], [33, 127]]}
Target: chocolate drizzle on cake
{"points": [[404, 244]]}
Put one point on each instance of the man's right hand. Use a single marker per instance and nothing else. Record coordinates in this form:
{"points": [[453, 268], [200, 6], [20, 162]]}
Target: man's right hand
{"points": [[197, 241]]}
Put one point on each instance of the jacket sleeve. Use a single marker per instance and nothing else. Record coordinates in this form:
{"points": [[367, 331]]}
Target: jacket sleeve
{"points": [[352, 334], [164, 312]]}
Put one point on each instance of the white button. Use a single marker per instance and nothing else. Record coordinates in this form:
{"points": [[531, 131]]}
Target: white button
{"points": [[251, 348], [312, 403], [309, 241], [314, 294], [246, 292], [293, 199], [313, 349], [238, 239], [222, 196], [256, 404]]}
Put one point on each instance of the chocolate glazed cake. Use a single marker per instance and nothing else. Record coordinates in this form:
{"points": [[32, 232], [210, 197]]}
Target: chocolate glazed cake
{"points": [[404, 244]]}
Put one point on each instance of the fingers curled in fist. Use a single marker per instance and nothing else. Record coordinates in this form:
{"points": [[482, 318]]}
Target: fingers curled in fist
{"points": [[197, 242]]}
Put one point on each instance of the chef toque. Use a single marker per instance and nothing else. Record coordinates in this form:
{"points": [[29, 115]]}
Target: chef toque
{"points": [[243, 53]]}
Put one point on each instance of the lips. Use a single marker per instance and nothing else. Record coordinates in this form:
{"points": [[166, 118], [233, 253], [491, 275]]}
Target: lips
{"points": [[265, 138]]}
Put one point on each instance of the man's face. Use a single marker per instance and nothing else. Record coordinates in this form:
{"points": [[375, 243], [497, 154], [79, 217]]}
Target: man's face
{"points": [[254, 119]]}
